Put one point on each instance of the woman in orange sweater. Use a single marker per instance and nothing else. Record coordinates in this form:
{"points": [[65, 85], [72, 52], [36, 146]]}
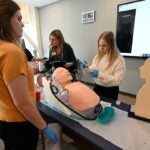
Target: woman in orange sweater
{"points": [[20, 120]]}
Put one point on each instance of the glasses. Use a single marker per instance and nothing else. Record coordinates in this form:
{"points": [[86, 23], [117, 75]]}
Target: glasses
{"points": [[51, 39]]}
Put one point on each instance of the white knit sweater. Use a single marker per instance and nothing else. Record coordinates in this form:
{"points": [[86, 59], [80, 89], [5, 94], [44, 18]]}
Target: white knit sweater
{"points": [[113, 76]]}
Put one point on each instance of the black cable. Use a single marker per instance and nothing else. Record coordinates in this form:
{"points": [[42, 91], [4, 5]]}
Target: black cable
{"points": [[43, 141]]}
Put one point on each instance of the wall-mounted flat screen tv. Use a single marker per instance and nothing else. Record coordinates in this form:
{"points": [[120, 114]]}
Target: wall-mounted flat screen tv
{"points": [[133, 28]]}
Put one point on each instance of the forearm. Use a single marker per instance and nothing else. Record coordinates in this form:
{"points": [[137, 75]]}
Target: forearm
{"points": [[23, 101], [110, 80], [113, 78], [38, 59], [31, 113]]}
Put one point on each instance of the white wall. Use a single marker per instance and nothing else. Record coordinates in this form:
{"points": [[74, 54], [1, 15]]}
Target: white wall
{"points": [[66, 16]]}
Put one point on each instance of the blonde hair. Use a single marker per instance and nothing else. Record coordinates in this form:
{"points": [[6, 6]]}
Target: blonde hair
{"points": [[7, 10], [112, 51], [59, 49]]}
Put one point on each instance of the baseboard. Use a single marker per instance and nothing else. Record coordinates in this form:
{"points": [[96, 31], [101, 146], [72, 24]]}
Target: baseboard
{"points": [[127, 94], [132, 115]]}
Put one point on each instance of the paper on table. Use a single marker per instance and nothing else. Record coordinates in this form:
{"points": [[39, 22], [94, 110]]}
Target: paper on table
{"points": [[127, 133]]}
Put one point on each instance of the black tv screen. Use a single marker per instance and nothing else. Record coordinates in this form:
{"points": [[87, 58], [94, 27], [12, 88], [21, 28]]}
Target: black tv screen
{"points": [[133, 29]]}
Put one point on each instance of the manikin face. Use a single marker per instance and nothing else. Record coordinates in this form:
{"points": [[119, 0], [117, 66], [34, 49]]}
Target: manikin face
{"points": [[102, 46], [16, 24], [53, 41]]}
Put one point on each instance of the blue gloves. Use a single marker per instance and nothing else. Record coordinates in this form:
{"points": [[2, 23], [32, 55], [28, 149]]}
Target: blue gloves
{"points": [[51, 134], [82, 64], [94, 73]]}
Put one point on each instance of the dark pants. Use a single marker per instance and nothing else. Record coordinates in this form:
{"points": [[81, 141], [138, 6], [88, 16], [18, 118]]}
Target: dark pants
{"points": [[19, 135], [107, 92]]}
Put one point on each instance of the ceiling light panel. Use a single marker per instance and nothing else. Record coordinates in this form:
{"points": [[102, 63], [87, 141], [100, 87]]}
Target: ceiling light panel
{"points": [[37, 3]]}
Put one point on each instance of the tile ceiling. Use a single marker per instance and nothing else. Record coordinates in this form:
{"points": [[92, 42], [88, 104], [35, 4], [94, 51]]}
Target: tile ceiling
{"points": [[38, 3]]}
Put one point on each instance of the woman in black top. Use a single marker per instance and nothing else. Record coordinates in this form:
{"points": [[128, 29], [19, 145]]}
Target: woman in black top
{"points": [[30, 57], [61, 53]]}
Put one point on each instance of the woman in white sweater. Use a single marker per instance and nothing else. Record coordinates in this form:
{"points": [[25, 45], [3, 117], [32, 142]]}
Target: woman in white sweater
{"points": [[108, 67]]}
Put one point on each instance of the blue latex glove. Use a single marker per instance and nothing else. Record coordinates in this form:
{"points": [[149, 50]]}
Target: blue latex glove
{"points": [[94, 73], [51, 134], [82, 64]]}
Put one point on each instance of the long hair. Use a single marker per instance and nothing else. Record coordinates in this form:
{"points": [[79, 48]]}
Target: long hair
{"points": [[112, 51], [59, 49], [7, 10]]}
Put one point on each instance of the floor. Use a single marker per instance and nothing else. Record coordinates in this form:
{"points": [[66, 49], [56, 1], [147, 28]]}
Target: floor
{"points": [[69, 144], [65, 145]]}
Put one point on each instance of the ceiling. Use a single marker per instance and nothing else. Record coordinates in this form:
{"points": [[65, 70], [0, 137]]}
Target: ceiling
{"points": [[38, 3]]}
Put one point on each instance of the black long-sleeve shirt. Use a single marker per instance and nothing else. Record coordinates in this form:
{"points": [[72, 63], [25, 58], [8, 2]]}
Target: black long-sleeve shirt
{"points": [[60, 60], [28, 54]]}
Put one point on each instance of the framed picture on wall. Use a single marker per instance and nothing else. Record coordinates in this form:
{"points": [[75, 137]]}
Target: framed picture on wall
{"points": [[88, 17]]}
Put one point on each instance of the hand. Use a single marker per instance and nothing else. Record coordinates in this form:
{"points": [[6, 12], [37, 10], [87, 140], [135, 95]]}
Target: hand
{"points": [[68, 64], [82, 64], [51, 134], [94, 73]]}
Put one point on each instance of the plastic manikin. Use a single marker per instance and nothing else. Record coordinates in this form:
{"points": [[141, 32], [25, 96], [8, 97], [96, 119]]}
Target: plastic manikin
{"points": [[75, 96]]}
